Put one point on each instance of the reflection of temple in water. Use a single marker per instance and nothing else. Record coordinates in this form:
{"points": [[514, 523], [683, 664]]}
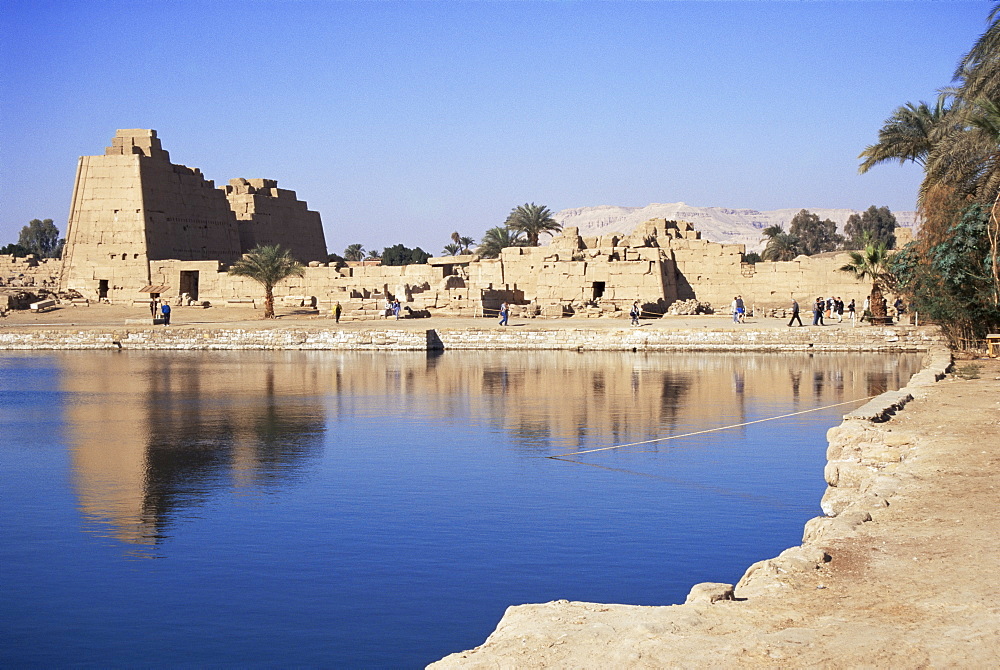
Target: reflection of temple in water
{"points": [[156, 434]]}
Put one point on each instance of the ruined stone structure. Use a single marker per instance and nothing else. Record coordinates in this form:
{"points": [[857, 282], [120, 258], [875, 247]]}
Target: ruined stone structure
{"points": [[139, 223], [132, 206]]}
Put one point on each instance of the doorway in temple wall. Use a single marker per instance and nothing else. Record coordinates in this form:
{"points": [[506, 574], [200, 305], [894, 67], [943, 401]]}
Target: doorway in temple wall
{"points": [[189, 283]]}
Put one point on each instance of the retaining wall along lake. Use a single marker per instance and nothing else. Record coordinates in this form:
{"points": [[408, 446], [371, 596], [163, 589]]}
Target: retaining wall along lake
{"points": [[866, 338]]}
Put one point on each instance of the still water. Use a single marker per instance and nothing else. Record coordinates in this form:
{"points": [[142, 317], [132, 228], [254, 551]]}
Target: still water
{"points": [[382, 510]]}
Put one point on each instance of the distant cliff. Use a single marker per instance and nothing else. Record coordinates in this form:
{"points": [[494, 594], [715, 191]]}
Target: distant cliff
{"points": [[718, 224]]}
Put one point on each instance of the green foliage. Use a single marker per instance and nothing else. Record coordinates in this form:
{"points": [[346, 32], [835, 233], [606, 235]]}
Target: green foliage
{"points": [[815, 236], [401, 255], [41, 238], [268, 266], [752, 257], [452, 249], [498, 238], [532, 220], [780, 245], [14, 250], [951, 282], [335, 258], [879, 224], [874, 264], [374, 255], [354, 252]]}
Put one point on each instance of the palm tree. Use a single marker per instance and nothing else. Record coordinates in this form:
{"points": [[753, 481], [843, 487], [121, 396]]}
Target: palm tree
{"points": [[451, 249], [909, 134], [466, 243], [499, 238], [979, 70], [872, 264], [374, 255], [781, 246], [354, 252], [532, 220], [267, 266]]}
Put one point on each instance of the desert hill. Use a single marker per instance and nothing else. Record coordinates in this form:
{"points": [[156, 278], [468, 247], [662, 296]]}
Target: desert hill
{"points": [[718, 224]]}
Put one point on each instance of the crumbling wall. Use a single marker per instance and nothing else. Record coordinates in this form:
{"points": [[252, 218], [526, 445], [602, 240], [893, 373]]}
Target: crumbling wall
{"points": [[269, 215]]}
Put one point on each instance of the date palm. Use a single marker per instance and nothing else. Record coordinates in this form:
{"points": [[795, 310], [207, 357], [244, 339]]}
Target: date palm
{"points": [[497, 239], [354, 252], [909, 134], [532, 220], [781, 246], [872, 264], [268, 266], [451, 249]]}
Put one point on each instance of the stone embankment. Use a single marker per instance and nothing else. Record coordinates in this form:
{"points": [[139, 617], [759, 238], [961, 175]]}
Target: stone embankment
{"points": [[896, 573], [888, 339]]}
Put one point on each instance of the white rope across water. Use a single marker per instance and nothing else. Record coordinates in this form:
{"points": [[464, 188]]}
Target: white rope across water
{"points": [[707, 430]]}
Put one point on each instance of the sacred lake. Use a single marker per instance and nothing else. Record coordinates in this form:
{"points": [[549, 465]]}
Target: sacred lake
{"points": [[348, 509]]}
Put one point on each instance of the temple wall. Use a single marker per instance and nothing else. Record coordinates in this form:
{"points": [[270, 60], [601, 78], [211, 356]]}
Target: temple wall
{"points": [[269, 215]]}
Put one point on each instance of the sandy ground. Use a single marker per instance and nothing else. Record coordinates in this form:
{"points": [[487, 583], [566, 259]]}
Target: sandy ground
{"points": [[101, 315], [914, 588]]}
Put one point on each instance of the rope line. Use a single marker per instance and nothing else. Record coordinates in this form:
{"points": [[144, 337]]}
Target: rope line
{"points": [[707, 430]]}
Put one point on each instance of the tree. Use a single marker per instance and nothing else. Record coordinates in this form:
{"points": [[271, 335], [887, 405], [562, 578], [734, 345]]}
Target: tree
{"points": [[532, 220], [780, 246], [909, 134], [878, 224], [499, 238], [451, 249], [873, 264], [41, 238], [752, 258], [354, 252], [15, 250], [268, 266], [961, 160], [951, 281], [401, 255], [815, 236], [374, 255], [466, 243]]}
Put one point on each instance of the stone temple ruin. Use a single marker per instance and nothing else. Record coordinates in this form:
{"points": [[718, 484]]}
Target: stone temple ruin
{"points": [[140, 224], [132, 207]]}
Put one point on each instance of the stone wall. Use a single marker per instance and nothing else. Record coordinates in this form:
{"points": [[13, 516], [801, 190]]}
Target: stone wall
{"points": [[30, 271], [269, 215], [132, 206], [891, 339]]}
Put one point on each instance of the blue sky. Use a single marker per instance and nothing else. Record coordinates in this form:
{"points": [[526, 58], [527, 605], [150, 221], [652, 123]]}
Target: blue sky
{"points": [[403, 121]]}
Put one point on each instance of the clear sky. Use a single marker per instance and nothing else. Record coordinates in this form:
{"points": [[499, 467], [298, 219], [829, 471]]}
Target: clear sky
{"points": [[401, 122]]}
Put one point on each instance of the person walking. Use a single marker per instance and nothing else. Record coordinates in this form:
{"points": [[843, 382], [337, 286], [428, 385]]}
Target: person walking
{"points": [[795, 313], [395, 309], [634, 313], [165, 310], [504, 313], [852, 312], [838, 308], [337, 310], [733, 307], [741, 310]]}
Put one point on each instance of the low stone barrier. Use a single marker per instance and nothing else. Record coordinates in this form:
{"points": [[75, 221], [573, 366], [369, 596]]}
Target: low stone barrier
{"points": [[897, 339]]}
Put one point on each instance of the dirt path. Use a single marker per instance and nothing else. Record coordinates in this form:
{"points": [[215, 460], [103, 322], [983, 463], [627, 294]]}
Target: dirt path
{"points": [[915, 587]]}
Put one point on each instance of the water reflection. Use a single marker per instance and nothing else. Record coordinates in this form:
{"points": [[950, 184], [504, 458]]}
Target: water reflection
{"points": [[155, 436]]}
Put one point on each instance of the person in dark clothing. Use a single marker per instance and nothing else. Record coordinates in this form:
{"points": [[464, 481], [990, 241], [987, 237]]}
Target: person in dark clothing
{"points": [[165, 310], [818, 308], [795, 313]]}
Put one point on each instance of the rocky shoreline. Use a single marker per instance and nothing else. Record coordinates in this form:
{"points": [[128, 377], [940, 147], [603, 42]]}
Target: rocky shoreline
{"points": [[893, 574]]}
